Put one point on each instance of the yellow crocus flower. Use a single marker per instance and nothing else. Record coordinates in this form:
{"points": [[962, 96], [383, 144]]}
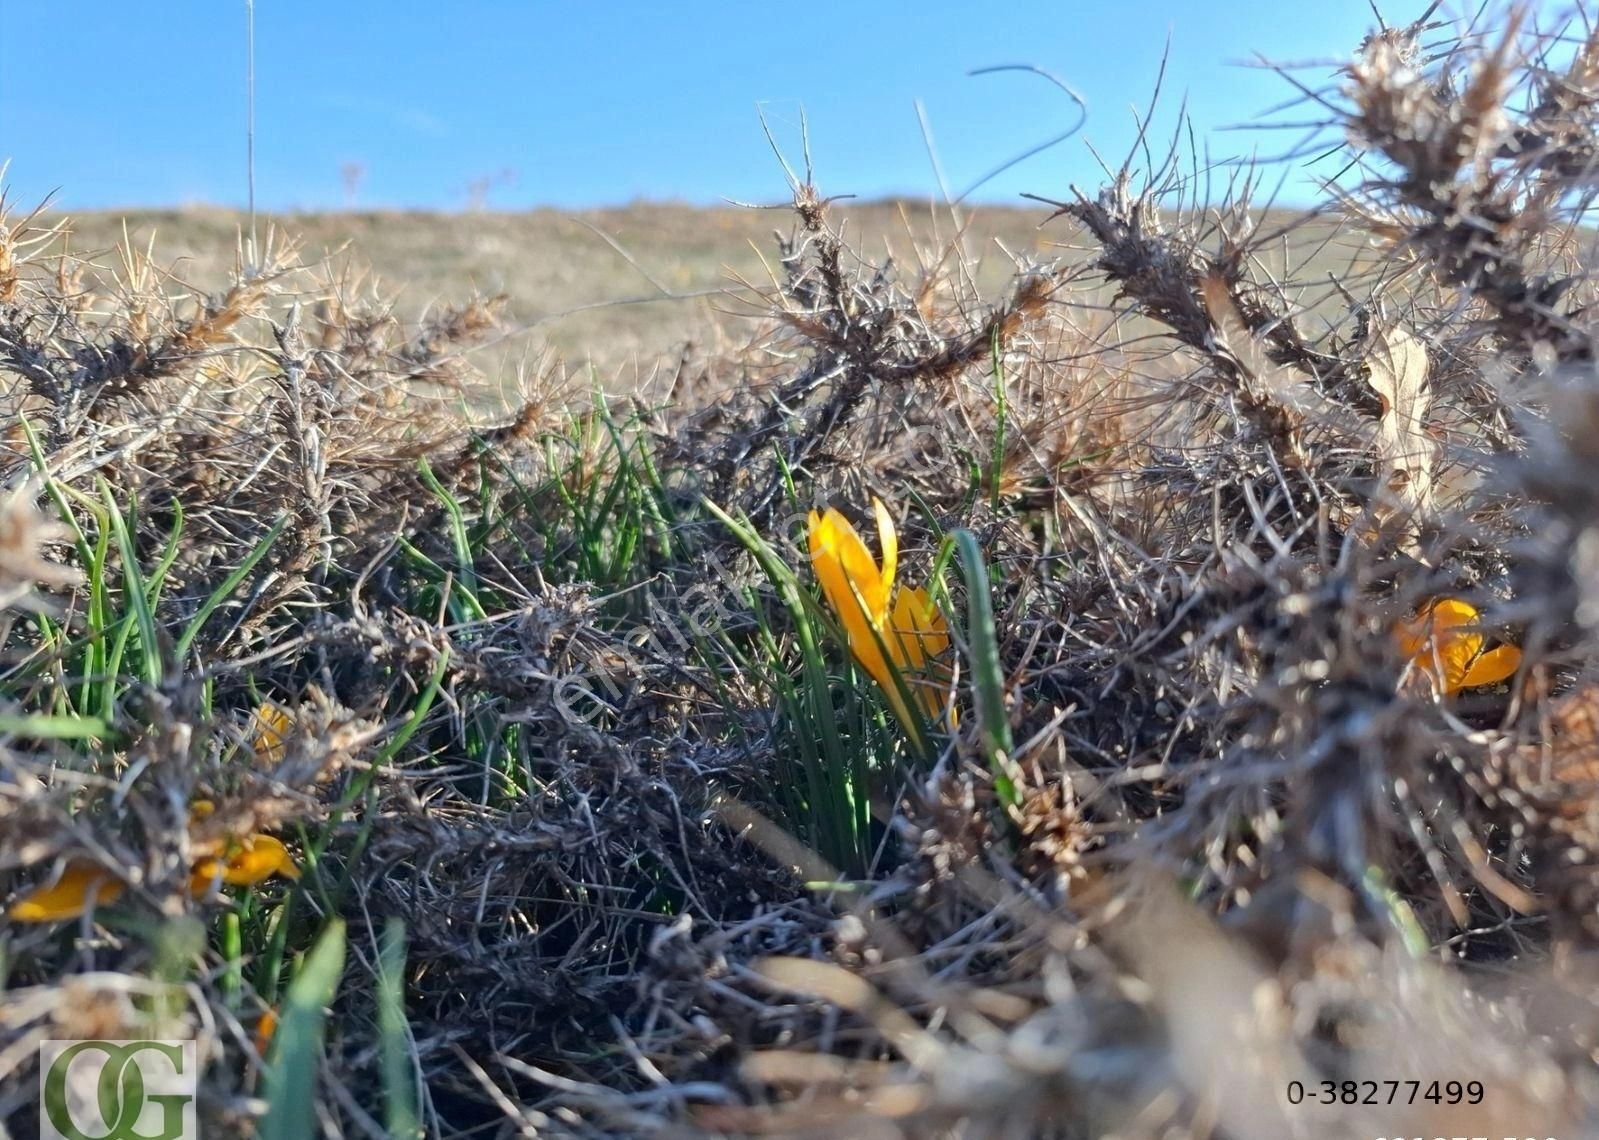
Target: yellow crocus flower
{"points": [[241, 862], [1445, 644], [245, 863], [81, 884], [860, 590]]}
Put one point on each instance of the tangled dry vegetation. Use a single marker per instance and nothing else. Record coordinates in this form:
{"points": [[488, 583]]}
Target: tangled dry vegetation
{"points": [[599, 831]]}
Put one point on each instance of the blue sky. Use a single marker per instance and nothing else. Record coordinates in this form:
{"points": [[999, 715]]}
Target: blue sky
{"points": [[142, 102]]}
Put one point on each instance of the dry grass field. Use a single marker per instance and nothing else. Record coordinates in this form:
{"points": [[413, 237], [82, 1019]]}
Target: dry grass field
{"points": [[1136, 677], [551, 262], [602, 300]]}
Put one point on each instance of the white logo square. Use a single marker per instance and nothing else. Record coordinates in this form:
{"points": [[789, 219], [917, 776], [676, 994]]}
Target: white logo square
{"points": [[118, 1090]]}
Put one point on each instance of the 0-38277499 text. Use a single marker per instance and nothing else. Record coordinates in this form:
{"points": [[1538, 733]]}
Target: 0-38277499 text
{"points": [[1445, 1092], [1385, 1092]]}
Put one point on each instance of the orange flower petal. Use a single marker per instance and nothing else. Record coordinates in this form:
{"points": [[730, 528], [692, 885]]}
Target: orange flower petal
{"points": [[1492, 667], [1455, 652], [1452, 613], [850, 583], [254, 859], [80, 885], [206, 874], [1443, 643], [857, 563], [888, 539], [1411, 636], [265, 1027], [1435, 619], [920, 631], [270, 726]]}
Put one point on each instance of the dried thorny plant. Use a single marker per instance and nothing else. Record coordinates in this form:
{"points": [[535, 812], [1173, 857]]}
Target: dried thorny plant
{"points": [[1227, 809]]}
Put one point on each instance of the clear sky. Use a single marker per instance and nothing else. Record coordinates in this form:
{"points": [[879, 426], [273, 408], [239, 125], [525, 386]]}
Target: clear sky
{"points": [[142, 102]]}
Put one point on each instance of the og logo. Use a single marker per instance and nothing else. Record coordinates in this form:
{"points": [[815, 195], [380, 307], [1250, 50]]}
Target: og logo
{"points": [[117, 1090]]}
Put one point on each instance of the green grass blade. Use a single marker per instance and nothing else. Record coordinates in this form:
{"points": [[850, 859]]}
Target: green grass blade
{"points": [[54, 489], [458, 538], [987, 676], [229, 584], [45, 727], [268, 968], [291, 1081], [163, 566], [100, 653], [836, 764], [135, 592], [399, 1092]]}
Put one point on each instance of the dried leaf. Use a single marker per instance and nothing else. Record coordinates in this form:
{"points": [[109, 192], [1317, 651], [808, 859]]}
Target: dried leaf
{"points": [[1396, 362], [1287, 388]]}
